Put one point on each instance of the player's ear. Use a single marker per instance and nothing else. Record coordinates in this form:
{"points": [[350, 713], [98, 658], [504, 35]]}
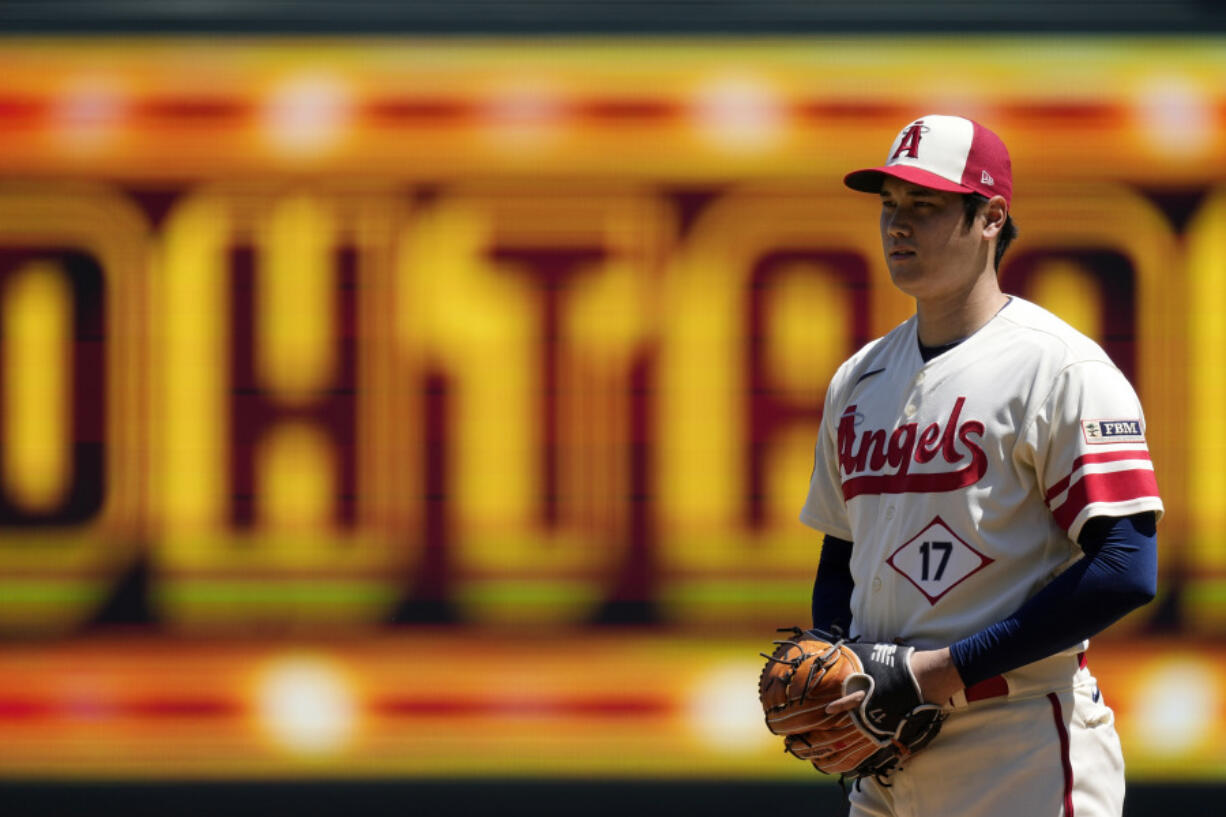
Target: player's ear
{"points": [[994, 215]]}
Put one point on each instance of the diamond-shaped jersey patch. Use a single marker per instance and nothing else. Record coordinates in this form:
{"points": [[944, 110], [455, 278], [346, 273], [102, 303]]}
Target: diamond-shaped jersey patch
{"points": [[936, 560]]}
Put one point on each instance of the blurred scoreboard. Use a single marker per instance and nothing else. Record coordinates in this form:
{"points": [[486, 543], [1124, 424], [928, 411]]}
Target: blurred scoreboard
{"points": [[535, 334]]}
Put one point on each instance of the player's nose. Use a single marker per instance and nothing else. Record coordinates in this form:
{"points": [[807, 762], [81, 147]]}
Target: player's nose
{"points": [[896, 224]]}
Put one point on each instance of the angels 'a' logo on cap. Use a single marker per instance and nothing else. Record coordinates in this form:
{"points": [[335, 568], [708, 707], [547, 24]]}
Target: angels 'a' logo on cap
{"points": [[910, 140]]}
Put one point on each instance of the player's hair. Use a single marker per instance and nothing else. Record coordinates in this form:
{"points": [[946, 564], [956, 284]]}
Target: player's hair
{"points": [[972, 204]]}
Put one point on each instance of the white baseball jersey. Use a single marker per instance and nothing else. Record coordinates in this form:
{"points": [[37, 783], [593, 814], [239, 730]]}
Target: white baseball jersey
{"points": [[965, 481]]}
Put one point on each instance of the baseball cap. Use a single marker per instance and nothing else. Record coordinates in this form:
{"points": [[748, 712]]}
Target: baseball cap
{"points": [[948, 153]]}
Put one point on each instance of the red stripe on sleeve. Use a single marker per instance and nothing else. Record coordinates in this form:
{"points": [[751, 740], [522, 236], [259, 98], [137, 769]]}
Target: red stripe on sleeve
{"points": [[1086, 459], [1116, 486]]}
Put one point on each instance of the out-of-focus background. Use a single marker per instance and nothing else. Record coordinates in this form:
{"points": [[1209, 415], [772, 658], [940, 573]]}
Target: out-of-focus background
{"points": [[406, 408]]}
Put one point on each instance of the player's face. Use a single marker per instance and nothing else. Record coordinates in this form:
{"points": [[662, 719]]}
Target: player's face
{"points": [[928, 247]]}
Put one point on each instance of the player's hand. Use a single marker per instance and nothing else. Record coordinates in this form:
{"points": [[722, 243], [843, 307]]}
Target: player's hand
{"points": [[934, 670], [845, 704]]}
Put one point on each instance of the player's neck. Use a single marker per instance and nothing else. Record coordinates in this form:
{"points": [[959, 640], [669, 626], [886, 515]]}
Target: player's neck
{"points": [[950, 318]]}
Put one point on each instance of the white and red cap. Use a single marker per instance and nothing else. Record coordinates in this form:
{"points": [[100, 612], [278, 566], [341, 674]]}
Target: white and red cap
{"points": [[948, 153]]}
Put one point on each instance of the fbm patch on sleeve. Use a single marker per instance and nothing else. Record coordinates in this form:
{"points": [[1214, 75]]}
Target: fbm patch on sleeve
{"points": [[1101, 432]]}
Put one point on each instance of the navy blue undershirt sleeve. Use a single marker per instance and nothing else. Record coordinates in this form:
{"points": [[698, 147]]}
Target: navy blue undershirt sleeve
{"points": [[1117, 574], [832, 587]]}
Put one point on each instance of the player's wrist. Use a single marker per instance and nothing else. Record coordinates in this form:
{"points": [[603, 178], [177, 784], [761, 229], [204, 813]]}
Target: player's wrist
{"points": [[936, 674]]}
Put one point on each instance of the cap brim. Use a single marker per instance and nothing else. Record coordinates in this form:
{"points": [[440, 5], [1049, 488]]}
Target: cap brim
{"points": [[870, 179]]}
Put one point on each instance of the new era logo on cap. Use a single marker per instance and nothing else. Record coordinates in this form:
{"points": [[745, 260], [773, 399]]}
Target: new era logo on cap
{"points": [[949, 153]]}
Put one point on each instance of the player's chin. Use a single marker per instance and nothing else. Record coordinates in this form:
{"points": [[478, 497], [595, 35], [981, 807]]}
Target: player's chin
{"points": [[907, 275]]}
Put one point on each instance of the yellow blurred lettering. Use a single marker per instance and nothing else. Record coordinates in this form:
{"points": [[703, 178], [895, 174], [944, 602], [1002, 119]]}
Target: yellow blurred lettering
{"points": [[36, 316]]}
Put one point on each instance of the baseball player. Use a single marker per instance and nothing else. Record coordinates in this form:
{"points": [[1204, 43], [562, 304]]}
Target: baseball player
{"points": [[987, 496]]}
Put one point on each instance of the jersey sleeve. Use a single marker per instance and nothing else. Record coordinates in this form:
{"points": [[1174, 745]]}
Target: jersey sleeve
{"points": [[1090, 452], [824, 508]]}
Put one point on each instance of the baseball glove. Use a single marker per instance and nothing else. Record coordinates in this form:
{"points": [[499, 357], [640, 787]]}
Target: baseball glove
{"points": [[812, 669]]}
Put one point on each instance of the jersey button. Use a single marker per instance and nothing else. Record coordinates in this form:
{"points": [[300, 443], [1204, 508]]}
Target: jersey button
{"points": [[910, 410], [889, 512], [876, 583], [919, 378]]}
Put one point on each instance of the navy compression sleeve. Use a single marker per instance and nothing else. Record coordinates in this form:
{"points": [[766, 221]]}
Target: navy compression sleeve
{"points": [[1117, 574], [832, 586]]}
